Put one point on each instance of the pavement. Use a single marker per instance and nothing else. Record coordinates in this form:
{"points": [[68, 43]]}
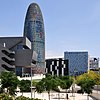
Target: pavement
{"points": [[96, 95], [57, 96], [79, 97], [74, 96]]}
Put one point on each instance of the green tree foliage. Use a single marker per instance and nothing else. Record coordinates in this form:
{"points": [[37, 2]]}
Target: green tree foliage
{"points": [[25, 85], [98, 79], [95, 76], [10, 81], [52, 82], [47, 84], [86, 81], [66, 82], [40, 86], [92, 75], [25, 98], [34, 83], [5, 97]]}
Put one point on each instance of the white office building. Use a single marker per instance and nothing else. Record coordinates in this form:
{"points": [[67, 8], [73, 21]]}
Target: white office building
{"points": [[93, 63]]}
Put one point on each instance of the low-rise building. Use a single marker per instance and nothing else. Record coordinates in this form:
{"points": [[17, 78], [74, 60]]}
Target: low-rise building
{"points": [[57, 66], [93, 63]]}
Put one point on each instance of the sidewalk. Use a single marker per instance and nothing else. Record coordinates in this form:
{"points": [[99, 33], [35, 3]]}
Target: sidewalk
{"points": [[75, 96], [57, 96], [79, 97], [95, 96]]}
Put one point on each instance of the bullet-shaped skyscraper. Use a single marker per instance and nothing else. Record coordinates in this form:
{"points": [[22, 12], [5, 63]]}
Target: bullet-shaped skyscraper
{"points": [[34, 31]]}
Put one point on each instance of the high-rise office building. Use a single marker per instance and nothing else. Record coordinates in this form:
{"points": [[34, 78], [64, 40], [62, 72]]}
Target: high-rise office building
{"points": [[34, 31], [78, 62]]}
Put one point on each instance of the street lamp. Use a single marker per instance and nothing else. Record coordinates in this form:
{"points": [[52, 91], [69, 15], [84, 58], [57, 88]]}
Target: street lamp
{"points": [[73, 85], [31, 82], [34, 64]]}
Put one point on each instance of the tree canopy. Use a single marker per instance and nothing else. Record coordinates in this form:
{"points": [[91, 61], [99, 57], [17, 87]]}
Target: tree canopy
{"points": [[25, 85], [66, 82], [86, 81], [5, 97], [52, 83], [91, 75], [10, 81], [47, 84]]}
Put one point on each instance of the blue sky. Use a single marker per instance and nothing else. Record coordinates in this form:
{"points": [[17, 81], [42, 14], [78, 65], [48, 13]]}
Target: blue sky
{"points": [[70, 25]]}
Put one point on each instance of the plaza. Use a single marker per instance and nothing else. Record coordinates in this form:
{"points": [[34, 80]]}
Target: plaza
{"points": [[56, 96]]}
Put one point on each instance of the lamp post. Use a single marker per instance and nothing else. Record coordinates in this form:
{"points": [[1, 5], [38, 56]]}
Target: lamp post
{"points": [[73, 85], [34, 64], [31, 82]]}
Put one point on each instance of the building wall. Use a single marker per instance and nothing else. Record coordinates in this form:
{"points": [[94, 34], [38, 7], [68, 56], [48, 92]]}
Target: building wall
{"points": [[10, 42], [93, 63], [16, 55], [57, 67], [23, 57], [78, 62], [7, 60]]}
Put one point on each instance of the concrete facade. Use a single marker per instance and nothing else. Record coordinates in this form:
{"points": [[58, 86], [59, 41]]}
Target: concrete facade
{"points": [[11, 56], [6, 59], [93, 63]]}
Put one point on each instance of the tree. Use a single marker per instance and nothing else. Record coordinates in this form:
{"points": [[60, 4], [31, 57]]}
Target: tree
{"points": [[95, 76], [25, 85], [10, 81], [34, 85], [5, 97], [66, 82], [25, 98], [86, 81], [47, 84]]}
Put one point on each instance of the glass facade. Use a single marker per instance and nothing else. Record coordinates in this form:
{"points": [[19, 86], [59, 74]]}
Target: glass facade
{"points": [[34, 31], [78, 62]]}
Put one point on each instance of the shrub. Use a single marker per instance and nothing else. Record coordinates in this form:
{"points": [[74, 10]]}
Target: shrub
{"points": [[25, 98], [22, 98], [4, 96], [80, 91]]}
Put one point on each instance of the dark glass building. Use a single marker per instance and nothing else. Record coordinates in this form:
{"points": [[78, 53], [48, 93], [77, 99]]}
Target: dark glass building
{"points": [[57, 67]]}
